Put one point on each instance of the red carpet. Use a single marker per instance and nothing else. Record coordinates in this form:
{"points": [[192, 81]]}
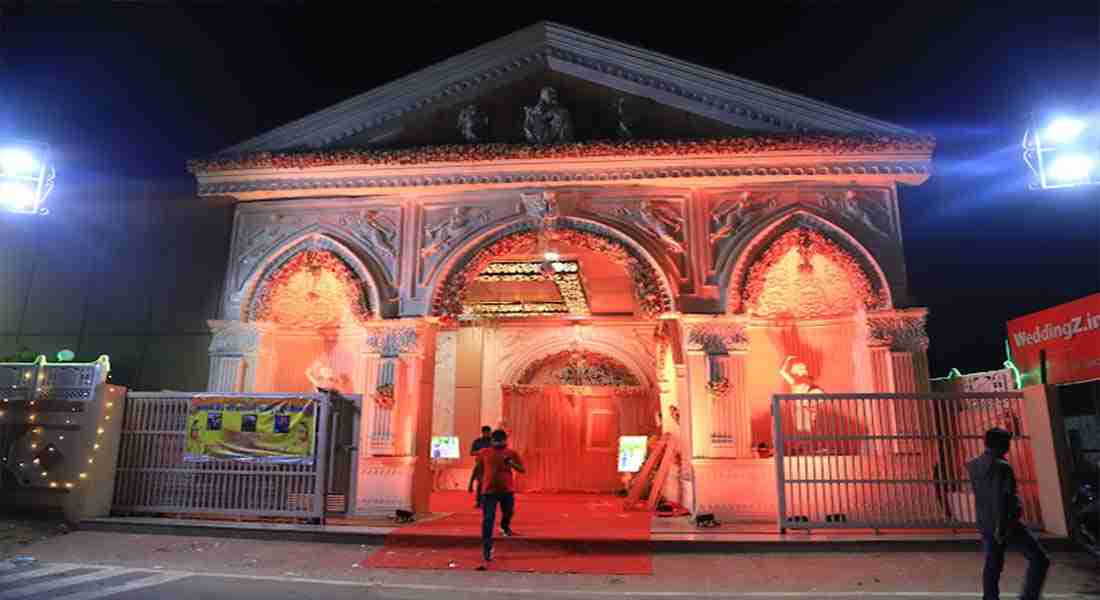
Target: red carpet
{"points": [[555, 533]]}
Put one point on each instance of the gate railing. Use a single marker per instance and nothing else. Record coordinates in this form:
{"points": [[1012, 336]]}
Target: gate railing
{"points": [[153, 478], [886, 461]]}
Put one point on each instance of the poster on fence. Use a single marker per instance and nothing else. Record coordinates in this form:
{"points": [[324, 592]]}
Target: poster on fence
{"points": [[267, 430]]}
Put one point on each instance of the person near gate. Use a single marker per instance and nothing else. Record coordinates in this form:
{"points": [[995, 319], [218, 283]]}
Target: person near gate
{"points": [[482, 442], [496, 464], [998, 509]]}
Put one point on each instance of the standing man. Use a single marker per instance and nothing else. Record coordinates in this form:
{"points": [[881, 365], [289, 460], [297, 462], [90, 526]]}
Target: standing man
{"points": [[998, 510], [496, 464], [475, 476]]}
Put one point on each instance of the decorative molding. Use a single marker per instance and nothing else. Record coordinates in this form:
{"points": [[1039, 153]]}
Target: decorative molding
{"points": [[900, 330], [236, 337], [540, 206], [400, 337], [581, 367], [630, 69], [716, 338], [561, 175]]}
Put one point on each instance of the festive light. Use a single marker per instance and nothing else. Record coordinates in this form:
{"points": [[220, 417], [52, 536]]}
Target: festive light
{"points": [[1064, 130], [26, 178], [1065, 152]]}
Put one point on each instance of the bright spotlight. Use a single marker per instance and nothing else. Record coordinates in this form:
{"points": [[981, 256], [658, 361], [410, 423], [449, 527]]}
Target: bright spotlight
{"points": [[1063, 130], [17, 161], [1071, 167], [26, 178]]}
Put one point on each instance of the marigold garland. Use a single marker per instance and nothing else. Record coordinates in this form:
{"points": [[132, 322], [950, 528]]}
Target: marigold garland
{"points": [[308, 260]]}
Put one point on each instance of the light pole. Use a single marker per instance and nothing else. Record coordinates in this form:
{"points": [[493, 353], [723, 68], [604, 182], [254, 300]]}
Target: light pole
{"points": [[1064, 152], [26, 177]]}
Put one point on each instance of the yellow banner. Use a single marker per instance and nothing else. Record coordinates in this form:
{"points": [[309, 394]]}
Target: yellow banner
{"points": [[271, 430]]}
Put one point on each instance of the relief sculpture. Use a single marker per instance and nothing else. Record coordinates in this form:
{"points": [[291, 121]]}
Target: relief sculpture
{"points": [[547, 122], [867, 210], [444, 234], [661, 220], [731, 216], [376, 227], [473, 124]]}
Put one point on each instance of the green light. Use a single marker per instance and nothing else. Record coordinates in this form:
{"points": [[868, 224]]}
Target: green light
{"points": [[1011, 366], [953, 374]]}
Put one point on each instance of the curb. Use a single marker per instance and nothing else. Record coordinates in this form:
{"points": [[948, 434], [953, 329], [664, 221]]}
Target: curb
{"points": [[788, 545]]}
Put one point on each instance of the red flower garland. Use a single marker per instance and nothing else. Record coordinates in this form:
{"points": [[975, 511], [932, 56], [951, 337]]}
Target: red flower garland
{"points": [[821, 245], [651, 298], [308, 260], [828, 144], [592, 358]]}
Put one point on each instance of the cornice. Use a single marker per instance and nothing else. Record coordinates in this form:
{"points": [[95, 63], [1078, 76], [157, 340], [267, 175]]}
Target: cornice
{"points": [[268, 183]]}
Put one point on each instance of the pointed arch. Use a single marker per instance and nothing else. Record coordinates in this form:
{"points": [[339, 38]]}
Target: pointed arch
{"points": [[541, 347], [768, 232], [652, 287], [263, 273]]}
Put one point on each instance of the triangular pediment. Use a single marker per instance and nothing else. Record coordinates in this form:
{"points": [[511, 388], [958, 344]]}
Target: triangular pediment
{"points": [[608, 89]]}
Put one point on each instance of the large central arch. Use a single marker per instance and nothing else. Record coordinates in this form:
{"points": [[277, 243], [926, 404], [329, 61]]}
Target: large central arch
{"points": [[651, 286]]}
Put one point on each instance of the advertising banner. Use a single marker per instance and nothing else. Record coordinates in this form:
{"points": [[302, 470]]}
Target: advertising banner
{"points": [[1070, 335], [632, 452], [270, 430]]}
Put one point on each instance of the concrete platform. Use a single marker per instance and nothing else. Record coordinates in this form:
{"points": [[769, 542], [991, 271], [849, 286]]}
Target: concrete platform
{"points": [[664, 538]]}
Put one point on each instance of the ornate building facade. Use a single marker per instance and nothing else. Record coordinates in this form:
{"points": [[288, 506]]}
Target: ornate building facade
{"points": [[558, 209]]}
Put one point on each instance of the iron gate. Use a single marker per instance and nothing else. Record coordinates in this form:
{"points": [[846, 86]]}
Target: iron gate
{"points": [[153, 478], [884, 461]]}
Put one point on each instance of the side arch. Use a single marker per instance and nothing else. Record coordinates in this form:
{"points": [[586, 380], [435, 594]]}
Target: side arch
{"points": [[736, 275], [262, 274], [652, 287]]}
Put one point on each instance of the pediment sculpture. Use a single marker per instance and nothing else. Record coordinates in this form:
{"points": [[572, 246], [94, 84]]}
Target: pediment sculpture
{"points": [[547, 122], [473, 124]]}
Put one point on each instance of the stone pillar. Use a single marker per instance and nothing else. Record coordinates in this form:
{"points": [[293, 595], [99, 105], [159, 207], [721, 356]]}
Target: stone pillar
{"points": [[724, 430], [898, 347], [395, 472], [241, 357], [698, 405], [446, 372]]}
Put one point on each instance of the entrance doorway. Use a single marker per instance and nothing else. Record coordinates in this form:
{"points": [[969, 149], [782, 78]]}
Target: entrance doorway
{"points": [[568, 435]]}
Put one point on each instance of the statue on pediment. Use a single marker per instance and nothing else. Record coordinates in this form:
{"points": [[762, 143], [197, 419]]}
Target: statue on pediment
{"points": [[626, 119], [473, 124], [547, 122]]}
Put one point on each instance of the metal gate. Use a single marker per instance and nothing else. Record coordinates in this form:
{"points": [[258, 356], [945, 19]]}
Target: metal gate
{"points": [[152, 477], [884, 461]]}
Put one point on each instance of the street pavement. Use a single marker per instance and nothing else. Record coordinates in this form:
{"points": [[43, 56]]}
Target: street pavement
{"points": [[117, 566]]}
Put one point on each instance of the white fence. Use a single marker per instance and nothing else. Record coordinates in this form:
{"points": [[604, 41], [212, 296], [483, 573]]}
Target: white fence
{"points": [[153, 478], [885, 461]]}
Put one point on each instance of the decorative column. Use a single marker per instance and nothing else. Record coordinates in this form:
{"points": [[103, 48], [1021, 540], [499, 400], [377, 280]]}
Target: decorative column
{"points": [[395, 471], [898, 347], [241, 357], [728, 422]]}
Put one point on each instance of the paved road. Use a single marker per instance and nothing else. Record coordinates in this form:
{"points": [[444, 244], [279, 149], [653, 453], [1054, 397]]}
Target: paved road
{"points": [[79, 581]]}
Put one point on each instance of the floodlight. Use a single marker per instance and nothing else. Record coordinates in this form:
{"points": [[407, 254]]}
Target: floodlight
{"points": [[26, 178], [1063, 130], [1070, 168], [17, 162]]}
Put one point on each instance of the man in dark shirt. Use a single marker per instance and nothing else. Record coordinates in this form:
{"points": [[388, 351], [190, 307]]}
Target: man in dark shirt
{"points": [[998, 510], [496, 464], [482, 442]]}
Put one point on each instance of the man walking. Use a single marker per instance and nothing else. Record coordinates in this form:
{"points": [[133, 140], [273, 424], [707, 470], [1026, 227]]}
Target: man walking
{"points": [[482, 442], [496, 464], [998, 510]]}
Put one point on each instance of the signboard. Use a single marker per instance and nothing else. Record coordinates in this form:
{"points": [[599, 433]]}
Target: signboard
{"points": [[1070, 336], [632, 451], [445, 446], [271, 430]]}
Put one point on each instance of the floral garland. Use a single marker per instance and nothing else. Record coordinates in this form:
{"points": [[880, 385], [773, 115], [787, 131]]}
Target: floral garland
{"points": [[647, 290], [829, 144], [608, 365], [719, 388], [309, 260], [807, 241], [384, 396]]}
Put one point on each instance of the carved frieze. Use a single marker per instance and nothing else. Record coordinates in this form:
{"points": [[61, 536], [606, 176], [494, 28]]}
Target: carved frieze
{"points": [[900, 330], [540, 206], [376, 227], [443, 228], [868, 208], [661, 219], [730, 217], [716, 338]]}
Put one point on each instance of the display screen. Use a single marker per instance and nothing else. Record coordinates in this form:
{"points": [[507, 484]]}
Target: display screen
{"points": [[445, 446], [632, 450]]}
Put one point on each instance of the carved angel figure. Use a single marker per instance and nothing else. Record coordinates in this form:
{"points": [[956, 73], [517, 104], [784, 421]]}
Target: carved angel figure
{"points": [[731, 217], [662, 221], [547, 122], [438, 237], [626, 119], [473, 124], [378, 227], [868, 212]]}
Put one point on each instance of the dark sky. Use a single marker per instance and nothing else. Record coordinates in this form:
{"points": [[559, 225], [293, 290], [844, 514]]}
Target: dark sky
{"points": [[136, 89]]}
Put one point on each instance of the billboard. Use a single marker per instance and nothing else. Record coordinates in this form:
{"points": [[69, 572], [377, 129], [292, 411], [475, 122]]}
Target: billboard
{"points": [[1070, 336], [272, 430]]}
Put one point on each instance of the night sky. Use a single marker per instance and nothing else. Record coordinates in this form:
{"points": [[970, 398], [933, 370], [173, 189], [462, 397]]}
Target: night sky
{"points": [[135, 90]]}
